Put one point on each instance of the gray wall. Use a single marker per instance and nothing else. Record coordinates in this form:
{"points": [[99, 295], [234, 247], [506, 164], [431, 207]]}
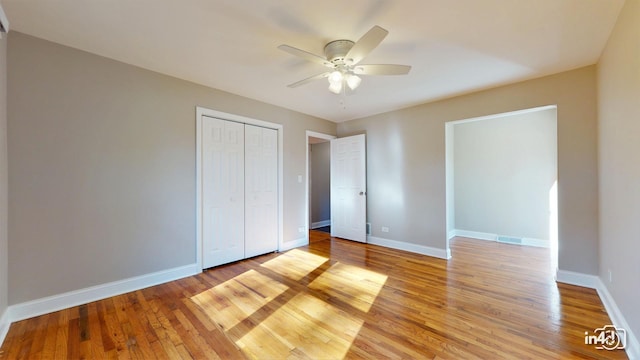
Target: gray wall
{"points": [[406, 162], [4, 260], [619, 133], [504, 170], [320, 159], [102, 167]]}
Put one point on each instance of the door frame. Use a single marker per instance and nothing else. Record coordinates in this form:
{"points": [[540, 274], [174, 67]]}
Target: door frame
{"points": [[200, 112], [318, 135]]}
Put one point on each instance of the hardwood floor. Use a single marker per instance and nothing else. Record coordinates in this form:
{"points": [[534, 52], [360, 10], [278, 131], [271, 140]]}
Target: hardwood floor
{"points": [[336, 299]]}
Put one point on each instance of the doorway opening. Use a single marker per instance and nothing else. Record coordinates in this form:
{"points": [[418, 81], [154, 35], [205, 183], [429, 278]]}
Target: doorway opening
{"points": [[318, 185], [501, 179]]}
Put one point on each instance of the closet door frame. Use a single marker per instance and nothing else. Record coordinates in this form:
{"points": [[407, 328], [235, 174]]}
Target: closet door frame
{"points": [[200, 112]]}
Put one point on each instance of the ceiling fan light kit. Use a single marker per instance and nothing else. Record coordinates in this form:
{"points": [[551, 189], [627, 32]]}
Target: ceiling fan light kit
{"points": [[353, 81], [343, 56], [338, 78]]}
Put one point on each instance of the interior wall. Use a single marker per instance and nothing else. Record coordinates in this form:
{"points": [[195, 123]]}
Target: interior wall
{"points": [[619, 169], [4, 245], [505, 168], [449, 131], [406, 162], [102, 167], [320, 158]]}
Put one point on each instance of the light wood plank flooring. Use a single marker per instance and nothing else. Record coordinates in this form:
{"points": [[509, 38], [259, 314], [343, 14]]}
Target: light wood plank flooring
{"points": [[336, 299]]}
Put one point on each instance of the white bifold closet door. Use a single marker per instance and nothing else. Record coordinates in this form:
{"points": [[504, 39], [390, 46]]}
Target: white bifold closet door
{"points": [[222, 191], [239, 190], [261, 190]]}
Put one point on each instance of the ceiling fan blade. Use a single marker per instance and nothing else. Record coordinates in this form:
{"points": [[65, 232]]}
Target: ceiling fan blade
{"points": [[309, 79], [365, 45], [306, 55], [381, 69]]}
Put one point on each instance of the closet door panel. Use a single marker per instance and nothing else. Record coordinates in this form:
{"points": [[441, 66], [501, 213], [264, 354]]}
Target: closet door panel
{"points": [[222, 191], [261, 190]]}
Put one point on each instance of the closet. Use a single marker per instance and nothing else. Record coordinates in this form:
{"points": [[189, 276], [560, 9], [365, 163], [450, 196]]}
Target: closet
{"points": [[239, 191]]}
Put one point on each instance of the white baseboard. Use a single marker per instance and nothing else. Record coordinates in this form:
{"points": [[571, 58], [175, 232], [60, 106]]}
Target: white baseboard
{"points": [[451, 234], [578, 279], [320, 224], [493, 237], [632, 346], [475, 235], [5, 323], [535, 242], [53, 303], [594, 282], [415, 248], [294, 244]]}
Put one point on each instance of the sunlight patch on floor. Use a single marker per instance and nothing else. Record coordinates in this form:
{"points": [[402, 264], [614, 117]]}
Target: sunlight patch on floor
{"points": [[238, 298], [351, 284], [270, 320], [305, 326], [295, 264]]}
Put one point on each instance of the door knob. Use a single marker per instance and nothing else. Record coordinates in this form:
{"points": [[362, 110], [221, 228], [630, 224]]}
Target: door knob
{"points": [[363, 193]]}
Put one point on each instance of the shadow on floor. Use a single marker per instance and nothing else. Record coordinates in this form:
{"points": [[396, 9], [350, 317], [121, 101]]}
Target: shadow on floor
{"points": [[326, 229]]}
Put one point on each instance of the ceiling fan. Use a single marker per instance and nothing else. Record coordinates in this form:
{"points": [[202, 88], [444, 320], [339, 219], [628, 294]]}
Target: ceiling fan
{"points": [[343, 58]]}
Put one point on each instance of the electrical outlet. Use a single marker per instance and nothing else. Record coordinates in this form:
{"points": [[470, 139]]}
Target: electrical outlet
{"points": [[385, 229], [610, 276]]}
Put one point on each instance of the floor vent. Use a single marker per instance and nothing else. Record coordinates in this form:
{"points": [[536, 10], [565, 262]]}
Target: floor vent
{"points": [[509, 240], [368, 228]]}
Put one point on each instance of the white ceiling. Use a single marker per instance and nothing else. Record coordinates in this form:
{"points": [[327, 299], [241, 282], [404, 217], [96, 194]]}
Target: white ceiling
{"points": [[454, 46]]}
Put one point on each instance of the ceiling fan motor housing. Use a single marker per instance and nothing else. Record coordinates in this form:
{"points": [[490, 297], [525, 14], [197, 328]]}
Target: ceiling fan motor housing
{"points": [[335, 51]]}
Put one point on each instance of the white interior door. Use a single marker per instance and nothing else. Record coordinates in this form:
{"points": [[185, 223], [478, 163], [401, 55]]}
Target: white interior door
{"points": [[261, 190], [222, 191], [349, 188]]}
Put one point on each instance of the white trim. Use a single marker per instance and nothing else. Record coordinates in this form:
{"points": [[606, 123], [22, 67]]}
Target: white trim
{"points": [[414, 248], [632, 347], [505, 114], [475, 235], [295, 243], [535, 242], [575, 278], [318, 135], [5, 323], [200, 112], [53, 303], [494, 237], [451, 234], [320, 224]]}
